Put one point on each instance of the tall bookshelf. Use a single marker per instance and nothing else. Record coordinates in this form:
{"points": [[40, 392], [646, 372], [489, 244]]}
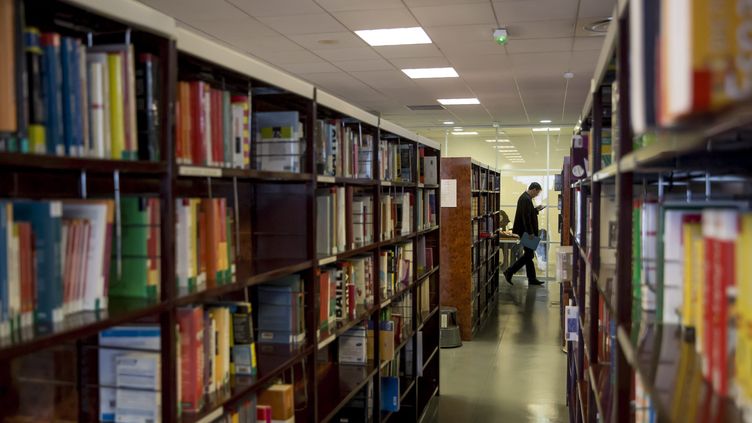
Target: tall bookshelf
{"points": [[641, 225], [53, 373], [471, 283]]}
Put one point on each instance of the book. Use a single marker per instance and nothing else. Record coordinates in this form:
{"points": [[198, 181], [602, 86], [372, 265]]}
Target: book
{"points": [[52, 88], [430, 170], [672, 265], [743, 354], [36, 101], [115, 343], [138, 395], [8, 56], [692, 240], [279, 137], [353, 346], [191, 325], [241, 131], [390, 393], [148, 105], [281, 311]]}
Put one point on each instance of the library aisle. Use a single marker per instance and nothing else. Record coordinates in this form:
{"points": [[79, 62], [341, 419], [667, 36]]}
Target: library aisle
{"points": [[514, 370]]}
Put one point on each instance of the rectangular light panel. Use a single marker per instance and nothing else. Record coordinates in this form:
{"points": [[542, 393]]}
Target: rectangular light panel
{"points": [[394, 36], [423, 73]]}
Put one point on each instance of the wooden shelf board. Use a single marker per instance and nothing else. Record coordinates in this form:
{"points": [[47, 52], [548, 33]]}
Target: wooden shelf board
{"points": [[75, 165]]}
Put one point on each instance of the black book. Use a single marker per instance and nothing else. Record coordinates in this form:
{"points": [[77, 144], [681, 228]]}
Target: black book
{"points": [[148, 98]]}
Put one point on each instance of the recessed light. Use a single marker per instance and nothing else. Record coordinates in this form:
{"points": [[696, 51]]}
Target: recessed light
{"points": [[546, 121], [422, 73], [457, 101], [505, 147], [502, 140], [456, 128], [464, 133], [449, 122], [394, 36], [546, 129]]}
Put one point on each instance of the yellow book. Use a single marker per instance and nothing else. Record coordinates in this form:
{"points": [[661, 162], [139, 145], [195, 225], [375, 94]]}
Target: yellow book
{"points": [[692, 234], [743, 356], [698, 268], [222, 354], [117, 128]]}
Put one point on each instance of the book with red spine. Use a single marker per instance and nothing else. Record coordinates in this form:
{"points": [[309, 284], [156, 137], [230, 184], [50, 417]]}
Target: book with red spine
{"points": [[191, 324], [198, 123], [216, 126]]}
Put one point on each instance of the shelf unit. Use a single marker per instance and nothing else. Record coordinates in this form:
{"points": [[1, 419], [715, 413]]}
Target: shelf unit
{"points": [[275, 232], [651, 368], [471, 283]]}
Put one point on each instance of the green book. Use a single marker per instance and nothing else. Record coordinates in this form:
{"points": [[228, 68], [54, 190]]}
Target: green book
{"points": [[636, 261]]}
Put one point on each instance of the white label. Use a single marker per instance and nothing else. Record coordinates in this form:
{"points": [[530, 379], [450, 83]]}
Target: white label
{"points": [[573, 323], [325, 179], [200, 171], [448, 193]]}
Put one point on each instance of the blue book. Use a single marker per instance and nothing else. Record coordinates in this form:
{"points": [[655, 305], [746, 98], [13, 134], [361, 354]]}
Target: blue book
{"points": [[276, 318], [4, 248], [53, 91], [69, 67], [45, 218], [390, 393]]}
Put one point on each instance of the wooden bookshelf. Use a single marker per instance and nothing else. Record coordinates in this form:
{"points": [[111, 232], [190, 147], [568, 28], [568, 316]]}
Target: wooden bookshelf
{"points": [[651, 366], [470, 283], [275, 236]]}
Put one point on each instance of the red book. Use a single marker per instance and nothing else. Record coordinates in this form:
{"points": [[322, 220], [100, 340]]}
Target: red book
{"points": [[27, 267], [183, 123], [264, 414], [351, 306], [709, 229], [323, 298], [728, 225], [198, 124], [218, 149], [191, 324]]}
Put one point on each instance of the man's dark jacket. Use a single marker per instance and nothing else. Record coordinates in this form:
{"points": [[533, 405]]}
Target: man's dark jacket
{"points": [[526, 216]]}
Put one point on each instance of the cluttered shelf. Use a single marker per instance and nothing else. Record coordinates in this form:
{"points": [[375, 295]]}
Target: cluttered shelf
{"points": [[339, 384], [670, 370], [328, 335], [79, 325], [273, 359], [346, 181]]}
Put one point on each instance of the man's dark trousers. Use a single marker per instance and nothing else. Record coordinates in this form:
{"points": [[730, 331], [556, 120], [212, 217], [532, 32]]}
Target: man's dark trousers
{"points": [[527, 261]]}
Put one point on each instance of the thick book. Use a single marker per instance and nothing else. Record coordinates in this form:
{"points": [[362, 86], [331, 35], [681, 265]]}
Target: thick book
{"points": [[191, 326], [8, 113], [53, 90], [241, 142], [148, 105], [279, 141], [35, 102]]}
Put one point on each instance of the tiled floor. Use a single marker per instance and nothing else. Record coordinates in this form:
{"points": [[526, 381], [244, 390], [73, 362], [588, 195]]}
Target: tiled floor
{"points": [[514, 370]]}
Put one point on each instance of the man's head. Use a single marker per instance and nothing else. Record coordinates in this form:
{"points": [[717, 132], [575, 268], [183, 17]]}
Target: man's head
{"points": [[534, 189]]}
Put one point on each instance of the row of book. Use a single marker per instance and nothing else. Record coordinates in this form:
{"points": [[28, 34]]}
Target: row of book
{"points": [[213, 126], [343, 150], [58, 258], [395, 269], [345, 289], [424, 255], [686, 59], [281, 314], [216, 342], [697, 275], [428, 169], [395, 161], [65, 97], [397, 214], [427, 209], [205, 243], [484, 179], [344, 220]]}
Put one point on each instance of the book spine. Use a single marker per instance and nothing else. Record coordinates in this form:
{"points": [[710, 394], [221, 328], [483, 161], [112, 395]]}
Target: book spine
{"points": [[8, 97], [116, 103], [227, 141], [147, 107], [52, 76]]}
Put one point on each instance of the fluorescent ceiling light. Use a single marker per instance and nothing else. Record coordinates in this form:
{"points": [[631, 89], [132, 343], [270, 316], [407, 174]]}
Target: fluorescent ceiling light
{"points": [[449, 122], [456, 128], [504, 140], [546, 129], [457, 101], [465, 133], [505, 147], [422, 73], [394, 36], [546, 121]]}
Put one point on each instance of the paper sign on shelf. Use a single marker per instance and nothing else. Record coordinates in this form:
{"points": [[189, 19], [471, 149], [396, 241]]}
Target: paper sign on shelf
{"points": [[448, 193]]}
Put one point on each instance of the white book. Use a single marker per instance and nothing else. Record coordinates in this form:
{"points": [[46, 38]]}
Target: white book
{"points": [[430, 171], [14, 271], [323, 221], [83, 77], [358, 223], [92, 290], [341, 222], [649, 282], [238, 132], [99, 108], [140, 401], [182, 244], [359, 279]]}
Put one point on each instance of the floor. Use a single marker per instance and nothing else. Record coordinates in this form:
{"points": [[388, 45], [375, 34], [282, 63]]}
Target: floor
{"points": [[514, 371]]}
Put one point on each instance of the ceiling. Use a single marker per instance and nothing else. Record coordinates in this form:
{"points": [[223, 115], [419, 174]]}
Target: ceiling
{"points": [[520, 83]]}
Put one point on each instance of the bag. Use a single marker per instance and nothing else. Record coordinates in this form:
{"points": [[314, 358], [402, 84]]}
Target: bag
{"points": [[529, 241]]}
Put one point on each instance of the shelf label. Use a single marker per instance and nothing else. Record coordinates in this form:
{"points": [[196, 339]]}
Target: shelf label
{"points": [[328, 260], [325, 179], [448, 193], [200, 171], [572, 323]]}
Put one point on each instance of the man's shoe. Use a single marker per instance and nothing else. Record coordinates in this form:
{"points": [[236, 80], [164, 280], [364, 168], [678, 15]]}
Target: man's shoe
{"points": [[535, 282], [508, 277]]}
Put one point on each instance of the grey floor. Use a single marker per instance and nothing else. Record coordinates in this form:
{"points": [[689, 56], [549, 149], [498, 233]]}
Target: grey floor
{"points": [[514, 370]]}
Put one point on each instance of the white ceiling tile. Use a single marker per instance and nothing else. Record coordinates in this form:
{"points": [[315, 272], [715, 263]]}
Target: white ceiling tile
{"points": [[487, 47], [187, 10], [310, 67], [535, 10], [541, 29], [455, 14], [376, 19], [345, 5], [458, 34], [303, 24], [362, 53], [275, 8], [596, 8], [539, 45], [273, 45], [420, 62], [363, 65], [415, 3], [417, 50], [291, 57], [588, 43], [329, 40]]}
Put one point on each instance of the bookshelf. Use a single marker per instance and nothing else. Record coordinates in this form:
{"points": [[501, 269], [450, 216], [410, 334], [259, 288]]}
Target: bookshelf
{"points": [[645, 226], [471, 283], [272, 233]]}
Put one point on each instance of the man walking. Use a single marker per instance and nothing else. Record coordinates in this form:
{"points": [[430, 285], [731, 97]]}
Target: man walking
{"points": [[526, 221]]}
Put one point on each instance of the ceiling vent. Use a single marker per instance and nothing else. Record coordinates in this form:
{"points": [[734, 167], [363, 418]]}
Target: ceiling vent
{"points": [[426, 107], [598, 27]]}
